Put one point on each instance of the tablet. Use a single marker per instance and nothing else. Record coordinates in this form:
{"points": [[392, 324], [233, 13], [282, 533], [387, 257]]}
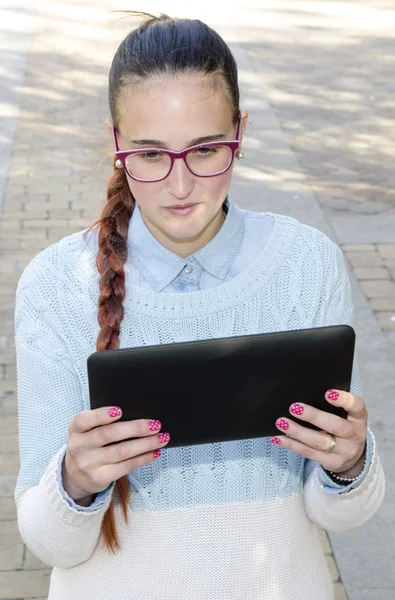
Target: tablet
{"points": [[224, 389]]}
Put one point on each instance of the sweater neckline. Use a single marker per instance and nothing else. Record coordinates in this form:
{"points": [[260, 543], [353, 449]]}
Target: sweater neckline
{"points": [[224, 296]]}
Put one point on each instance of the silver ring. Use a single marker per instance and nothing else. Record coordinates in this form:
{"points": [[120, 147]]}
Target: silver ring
{"points": [[332, 445]]}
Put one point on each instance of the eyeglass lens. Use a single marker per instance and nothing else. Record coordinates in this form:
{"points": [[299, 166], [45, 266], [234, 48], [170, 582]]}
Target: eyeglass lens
{"points": [[204, 161]]}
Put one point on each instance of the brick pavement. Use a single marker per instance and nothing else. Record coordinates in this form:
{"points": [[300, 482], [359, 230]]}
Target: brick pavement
{"points": [[55, 187], [329, 83]]}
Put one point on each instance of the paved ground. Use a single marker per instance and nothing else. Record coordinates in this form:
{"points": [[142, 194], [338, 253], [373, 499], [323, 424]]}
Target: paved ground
{"points": [[317, 79]]}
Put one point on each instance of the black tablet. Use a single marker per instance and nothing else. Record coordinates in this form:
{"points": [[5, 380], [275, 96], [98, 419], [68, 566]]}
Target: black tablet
{"points": [[224, 389]]}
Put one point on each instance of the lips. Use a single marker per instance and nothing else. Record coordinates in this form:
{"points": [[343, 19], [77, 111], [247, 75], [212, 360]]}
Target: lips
{"points": [[182, 209], [181, 206]]}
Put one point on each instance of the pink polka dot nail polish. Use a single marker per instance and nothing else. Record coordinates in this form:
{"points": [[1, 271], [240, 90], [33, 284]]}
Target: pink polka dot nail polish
{"points": [[332, 395], [282, 424], [296, 409], [114, 411], [275, 440], [154, 425], [164, 438], [157, 453]]}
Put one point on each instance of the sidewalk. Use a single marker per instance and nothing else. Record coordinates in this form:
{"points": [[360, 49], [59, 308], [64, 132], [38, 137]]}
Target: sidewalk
{"points": [[56, 184]]}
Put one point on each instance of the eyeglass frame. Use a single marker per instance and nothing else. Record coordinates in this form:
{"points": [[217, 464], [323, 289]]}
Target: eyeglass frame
{"points": [[122, 155]]}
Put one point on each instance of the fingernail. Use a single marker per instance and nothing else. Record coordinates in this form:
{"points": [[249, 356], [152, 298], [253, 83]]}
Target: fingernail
{"points": [[157, 453], [154, 425], [115, 411], [332, 395], [282, 424], [275, 440], [296, 409], [164, 438]]}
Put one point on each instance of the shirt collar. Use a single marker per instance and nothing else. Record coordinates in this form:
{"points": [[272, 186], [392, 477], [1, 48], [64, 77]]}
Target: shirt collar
{"points": [[160, 266]]}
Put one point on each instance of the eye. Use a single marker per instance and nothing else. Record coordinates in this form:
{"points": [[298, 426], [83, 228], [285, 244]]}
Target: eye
{"points": [[151, 155], [206, 151]]}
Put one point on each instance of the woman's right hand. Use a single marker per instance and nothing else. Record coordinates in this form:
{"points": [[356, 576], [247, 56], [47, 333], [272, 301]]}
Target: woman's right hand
{"points": [[90, 465]]}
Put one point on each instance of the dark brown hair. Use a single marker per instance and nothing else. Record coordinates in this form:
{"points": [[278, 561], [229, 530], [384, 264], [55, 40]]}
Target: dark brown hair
{"points": [[159, 46]]}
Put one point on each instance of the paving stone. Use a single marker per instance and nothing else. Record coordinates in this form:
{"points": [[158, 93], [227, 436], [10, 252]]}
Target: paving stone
{"points": [[7, 486], [383, 304], [9, 463], [8, 405], [8, 388], [8, 424], [10, 374], [23, 234], [365, 259], [390, 263], [31, 562], [358, 248], [7, 509], [11, 556], [378, 289], [9, 531], [340, 592], [8, 442], [387, 250], [371, 273], [386, 320], [21, 584], [27, 215]]}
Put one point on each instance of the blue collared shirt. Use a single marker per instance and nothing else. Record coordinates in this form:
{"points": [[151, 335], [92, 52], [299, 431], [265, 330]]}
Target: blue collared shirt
{"points": [[240, 240]]}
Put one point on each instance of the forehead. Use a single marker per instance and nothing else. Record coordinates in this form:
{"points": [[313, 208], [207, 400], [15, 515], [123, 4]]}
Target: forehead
{"points": [[168, 108]]}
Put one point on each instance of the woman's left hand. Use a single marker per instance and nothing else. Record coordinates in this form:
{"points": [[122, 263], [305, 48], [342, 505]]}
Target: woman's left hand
{"points": [[350, 433]]}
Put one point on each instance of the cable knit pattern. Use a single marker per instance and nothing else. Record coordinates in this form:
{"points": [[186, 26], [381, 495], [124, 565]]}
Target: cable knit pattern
{"points": [[224, 521]]}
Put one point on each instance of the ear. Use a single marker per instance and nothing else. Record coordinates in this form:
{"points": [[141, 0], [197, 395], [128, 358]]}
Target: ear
{"points": [[109, 126], [244, 121], [243, 125]]}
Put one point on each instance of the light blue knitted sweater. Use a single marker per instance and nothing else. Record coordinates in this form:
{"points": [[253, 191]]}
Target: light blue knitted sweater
{"points": [[232, 520]]}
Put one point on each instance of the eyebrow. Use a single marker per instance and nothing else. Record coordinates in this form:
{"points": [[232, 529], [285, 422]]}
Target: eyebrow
{"points": [[194, 142]]}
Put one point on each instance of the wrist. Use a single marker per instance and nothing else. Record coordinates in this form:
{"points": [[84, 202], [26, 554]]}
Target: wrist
{"points": [[77, 494], [352, 474], [357, 469]]}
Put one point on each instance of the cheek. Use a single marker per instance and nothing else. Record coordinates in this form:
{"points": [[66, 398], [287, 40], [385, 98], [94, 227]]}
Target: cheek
{"points": [[147, 195], [214, 189]]}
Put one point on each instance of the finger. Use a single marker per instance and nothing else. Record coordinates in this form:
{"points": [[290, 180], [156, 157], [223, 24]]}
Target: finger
{"points": [[319, 440], [86, 420], [353, 404], [123, 430], [115, 471], [331, 462], [124, 451], [323, 420]]}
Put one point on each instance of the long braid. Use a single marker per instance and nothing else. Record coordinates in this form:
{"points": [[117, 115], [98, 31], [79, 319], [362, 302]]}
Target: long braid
{"points": [[113, 230]]}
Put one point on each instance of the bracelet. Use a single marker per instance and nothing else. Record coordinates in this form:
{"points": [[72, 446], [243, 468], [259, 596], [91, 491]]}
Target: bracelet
{"points": [[346, 480]]}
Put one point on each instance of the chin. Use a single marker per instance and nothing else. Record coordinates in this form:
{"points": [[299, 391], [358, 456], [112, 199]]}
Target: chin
{"points": [[185, 233]]}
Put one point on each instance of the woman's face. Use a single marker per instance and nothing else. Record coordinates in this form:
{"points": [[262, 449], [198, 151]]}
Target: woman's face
{"points": [[183, 211]]}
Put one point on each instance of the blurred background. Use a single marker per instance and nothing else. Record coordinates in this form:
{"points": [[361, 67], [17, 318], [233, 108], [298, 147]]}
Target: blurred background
{"points": [[318, 80]]}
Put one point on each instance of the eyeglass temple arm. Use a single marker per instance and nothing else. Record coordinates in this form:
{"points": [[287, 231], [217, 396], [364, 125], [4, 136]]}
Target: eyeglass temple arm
{"points": [[239, 124], [114, 132]]}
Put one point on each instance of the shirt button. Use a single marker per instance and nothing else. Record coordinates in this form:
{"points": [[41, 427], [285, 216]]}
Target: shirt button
{"points": [[188, 269]]}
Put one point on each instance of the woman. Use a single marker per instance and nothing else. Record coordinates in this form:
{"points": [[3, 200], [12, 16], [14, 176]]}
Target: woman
{"points": [[173, 259]]}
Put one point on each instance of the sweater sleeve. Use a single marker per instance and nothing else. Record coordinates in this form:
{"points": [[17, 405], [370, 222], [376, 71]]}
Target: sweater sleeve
{"points": [[49, 394], [341, 509]]}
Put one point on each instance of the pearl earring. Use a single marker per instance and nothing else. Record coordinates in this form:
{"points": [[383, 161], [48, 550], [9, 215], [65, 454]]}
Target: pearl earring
{"points": [[118, 164], [241, 155]]}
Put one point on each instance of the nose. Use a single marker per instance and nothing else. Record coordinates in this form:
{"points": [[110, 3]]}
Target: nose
{"points": [[181, 181]]}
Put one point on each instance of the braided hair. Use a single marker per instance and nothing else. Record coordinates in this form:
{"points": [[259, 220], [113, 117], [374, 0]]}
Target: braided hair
{"points": [[160, 45]]}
